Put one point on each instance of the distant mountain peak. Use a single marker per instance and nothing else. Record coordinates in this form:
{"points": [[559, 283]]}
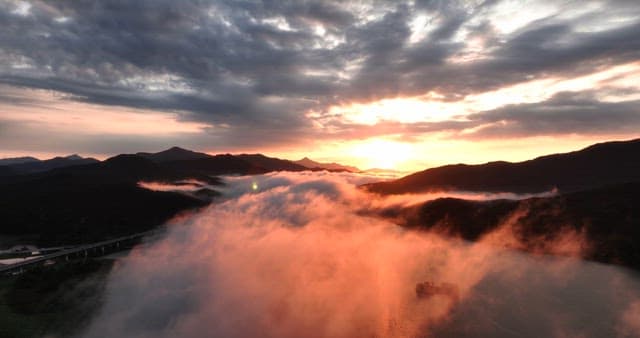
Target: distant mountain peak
{"points": [[311, 164], [30, 165], [18, 160], [176, 148], [174, 153], [601, 164], [74, 157]]}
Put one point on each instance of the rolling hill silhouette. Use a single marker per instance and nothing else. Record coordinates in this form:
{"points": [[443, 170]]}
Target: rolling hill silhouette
{"points": [[311, 164], [598, 165], [30, 165], [17, 160], [598, 197], [608, 218], [97, 200], [173, 154], [89, 202]]}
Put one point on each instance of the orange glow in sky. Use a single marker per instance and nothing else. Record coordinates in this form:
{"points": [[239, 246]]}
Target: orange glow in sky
{"points": [[432, 106], [382, 154], [431, 152], [404, 110], [61, 116]]}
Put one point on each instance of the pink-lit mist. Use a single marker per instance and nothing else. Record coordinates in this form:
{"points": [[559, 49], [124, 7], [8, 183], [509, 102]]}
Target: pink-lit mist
{"points": [[288, 255]]}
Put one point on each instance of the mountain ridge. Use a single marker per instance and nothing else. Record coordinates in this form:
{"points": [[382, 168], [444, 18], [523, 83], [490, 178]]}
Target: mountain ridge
{"points": [[596, 165], [606, 217], [31, 165], [311, 164], [174, 153]]}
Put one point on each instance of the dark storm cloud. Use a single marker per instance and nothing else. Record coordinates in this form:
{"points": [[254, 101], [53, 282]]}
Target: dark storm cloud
{"points": [[548, 50], [565, 113], [267, 62], [553, 47]]}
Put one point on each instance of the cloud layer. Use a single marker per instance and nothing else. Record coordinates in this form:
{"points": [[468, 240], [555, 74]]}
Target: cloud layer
{"points": [[267, 73], [297, 257]]}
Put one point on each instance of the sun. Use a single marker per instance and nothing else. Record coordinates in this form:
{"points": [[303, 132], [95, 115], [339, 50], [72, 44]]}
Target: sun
{"points": [[383, 154]]}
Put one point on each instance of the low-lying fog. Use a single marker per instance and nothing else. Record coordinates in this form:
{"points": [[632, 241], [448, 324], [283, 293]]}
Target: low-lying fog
{"points": [[293, 255]]}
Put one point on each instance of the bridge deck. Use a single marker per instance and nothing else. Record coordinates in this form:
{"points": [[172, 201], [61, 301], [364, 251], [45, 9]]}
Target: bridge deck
{"points": [[74, 250]]}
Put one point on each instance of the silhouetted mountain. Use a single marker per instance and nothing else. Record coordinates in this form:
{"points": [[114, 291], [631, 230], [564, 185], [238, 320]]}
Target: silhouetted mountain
{"points": [[94, 201], [223, 164], [36, 166], [597, 165], [216, 165], [174, 154], [311, 164], [608, 217], [78, 213], [74, 157], [132, 169], [90, 202], [271, 163], [17, 160]]}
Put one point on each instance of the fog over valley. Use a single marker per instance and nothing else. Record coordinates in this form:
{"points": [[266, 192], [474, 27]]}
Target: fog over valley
{"points": [[299, 256], [319, 168]]}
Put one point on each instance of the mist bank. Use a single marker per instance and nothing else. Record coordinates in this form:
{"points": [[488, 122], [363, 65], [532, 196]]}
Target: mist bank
{"points": [[299, 254]]}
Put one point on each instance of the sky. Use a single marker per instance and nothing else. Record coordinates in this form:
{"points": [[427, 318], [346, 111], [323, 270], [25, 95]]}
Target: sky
{"points": [[387, 84]]}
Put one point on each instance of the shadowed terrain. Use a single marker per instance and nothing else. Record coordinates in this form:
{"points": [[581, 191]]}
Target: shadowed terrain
{"points": [[607, 217], [91, 202], [598, 165], [60, 300], [30, 165]]}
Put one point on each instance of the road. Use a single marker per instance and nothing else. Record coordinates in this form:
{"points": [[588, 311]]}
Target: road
{"points": [[73, 251]]}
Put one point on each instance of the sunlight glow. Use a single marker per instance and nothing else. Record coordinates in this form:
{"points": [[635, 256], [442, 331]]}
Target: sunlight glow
{"points": [[382, 154], [432, 108], [403, 110], [543, 89]]}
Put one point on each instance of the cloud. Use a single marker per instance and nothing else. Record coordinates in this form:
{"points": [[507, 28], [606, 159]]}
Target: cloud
{"points": [[564, 113], [629, 325], [295, 257], [248, 64]]}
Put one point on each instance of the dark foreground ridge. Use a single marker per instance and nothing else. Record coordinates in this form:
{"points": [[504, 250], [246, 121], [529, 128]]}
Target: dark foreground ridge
{"points": [[82, 201], [598, 165], [311, 164], [598, 199], [56, 301], [31, 165], [606, 221]]}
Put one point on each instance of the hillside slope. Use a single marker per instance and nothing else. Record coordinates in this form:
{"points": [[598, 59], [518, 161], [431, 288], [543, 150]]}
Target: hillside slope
{"points": [[597, 165]]}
